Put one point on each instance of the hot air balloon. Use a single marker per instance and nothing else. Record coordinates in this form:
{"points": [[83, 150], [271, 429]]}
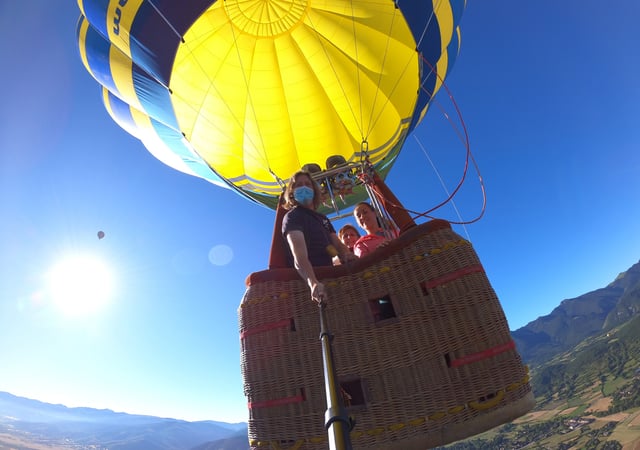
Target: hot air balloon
{"points": [[245, 93], [100, 234]]}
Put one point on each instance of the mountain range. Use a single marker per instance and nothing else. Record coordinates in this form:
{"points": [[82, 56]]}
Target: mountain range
{"points": [[584, 359], [594, 338], [577, 319], [57, 427]]}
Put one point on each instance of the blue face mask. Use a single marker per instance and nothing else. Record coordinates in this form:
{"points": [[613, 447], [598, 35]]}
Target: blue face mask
{"points": [[303, 195]]}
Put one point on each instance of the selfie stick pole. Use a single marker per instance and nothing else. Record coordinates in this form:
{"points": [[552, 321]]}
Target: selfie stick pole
{"points": [[337, 423]]}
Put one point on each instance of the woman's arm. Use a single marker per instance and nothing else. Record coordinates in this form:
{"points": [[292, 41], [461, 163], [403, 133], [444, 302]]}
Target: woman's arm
{"points": [[302, 264]]}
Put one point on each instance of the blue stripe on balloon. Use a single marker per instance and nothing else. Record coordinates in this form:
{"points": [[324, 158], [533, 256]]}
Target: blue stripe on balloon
{"points": [[97, 52], [452, 49], [96, 13], [172, 139], [182, 14], [154, 98], [122, 112], [155, 40], [457, 7], [175, 141], [420, 15]]}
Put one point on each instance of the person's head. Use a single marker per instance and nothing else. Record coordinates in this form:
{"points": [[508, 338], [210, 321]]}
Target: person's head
{"points": [[348, 235], [366, 217], [302, 182]]}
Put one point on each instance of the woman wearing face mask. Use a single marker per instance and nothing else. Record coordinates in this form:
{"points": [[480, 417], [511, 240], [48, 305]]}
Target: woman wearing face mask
{"points": [[311, 237]]}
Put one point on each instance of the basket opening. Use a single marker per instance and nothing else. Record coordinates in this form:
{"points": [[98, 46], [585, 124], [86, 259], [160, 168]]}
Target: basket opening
{"points": [[488, 397], [382, 308], [424, 288], [352, 393], [286, 444], [448, 359]]}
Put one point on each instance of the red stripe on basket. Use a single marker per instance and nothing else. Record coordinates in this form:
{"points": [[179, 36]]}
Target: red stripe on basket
{"points": [[453, 276], [277, 402], [483, 355], [266, 327]]}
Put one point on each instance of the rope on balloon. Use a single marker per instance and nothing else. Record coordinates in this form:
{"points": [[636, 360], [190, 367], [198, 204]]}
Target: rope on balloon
{"points": [[464, 138], [166, 20], [372, 120]]}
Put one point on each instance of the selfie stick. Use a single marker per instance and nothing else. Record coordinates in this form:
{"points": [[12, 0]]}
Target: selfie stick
{"points": [[337, 423]]}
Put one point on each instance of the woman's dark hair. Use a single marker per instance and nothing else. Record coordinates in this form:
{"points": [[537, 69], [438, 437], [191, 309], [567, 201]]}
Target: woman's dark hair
{"points": [[366, 204]]}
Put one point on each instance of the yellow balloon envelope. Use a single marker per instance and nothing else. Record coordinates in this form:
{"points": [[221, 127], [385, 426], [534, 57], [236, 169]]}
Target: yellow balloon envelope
{"points": [[244, 93]]}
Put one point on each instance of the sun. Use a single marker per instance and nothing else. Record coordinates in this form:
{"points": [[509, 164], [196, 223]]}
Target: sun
{"points": [[80, 285]]}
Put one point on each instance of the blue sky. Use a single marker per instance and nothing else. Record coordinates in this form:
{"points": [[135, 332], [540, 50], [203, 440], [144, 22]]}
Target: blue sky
{"points": [[549, 94]]}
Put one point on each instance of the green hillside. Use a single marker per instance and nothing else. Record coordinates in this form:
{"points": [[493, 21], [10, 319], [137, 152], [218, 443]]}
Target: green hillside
{"points": [[587, 398]]}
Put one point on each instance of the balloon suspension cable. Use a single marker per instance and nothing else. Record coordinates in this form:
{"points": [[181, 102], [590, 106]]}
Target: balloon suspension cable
{"points": [[337, 422], [443, 185], [223, 131], [323, 46], [279, 180], [372, 121], [166, 21], [364, 152], [385, 220], [332, 197], [464, 138]]}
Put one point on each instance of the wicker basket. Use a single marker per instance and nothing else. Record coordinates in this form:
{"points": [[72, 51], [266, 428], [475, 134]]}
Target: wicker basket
{"points": [[421, 345]]}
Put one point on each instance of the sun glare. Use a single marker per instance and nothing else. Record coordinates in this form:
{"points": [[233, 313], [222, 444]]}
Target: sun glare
{"points": [[80, 285]]}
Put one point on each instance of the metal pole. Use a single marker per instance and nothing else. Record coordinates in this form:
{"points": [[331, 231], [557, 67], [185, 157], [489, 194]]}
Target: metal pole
{"points": [[337, 422]]}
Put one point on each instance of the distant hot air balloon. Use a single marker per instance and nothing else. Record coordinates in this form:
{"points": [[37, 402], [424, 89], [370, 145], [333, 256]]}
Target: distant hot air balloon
{"points": [[243, 93], [100, 234]]}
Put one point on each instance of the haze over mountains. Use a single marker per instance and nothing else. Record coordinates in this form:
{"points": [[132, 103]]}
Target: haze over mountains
{"points": [[582, 323]]}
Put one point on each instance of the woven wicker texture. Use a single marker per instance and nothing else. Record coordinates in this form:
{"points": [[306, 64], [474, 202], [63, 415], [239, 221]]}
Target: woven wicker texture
{"points": [[438, 366]]}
